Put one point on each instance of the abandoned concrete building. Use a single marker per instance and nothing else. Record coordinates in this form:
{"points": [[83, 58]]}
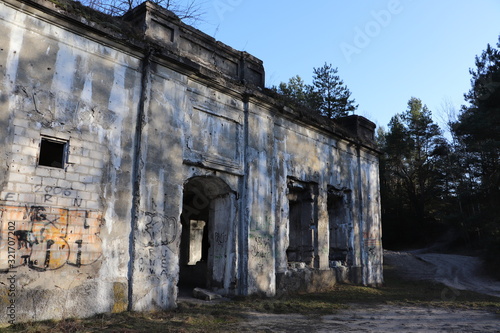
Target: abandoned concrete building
{"points": [[140, 156]]}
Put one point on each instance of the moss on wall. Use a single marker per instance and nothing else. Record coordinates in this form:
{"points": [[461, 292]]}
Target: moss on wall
{"points": [[120, 297]]}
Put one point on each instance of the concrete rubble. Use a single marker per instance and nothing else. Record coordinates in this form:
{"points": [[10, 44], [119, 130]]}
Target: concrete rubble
{"points": [[205, 294]]}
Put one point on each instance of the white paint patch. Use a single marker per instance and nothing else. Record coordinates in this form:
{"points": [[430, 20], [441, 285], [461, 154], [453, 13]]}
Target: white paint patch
{"points": [[113, 251], [15, 44], [64, 70], [160, 196], [117, 103], [110, 211], [118, 97], [86, 95]]}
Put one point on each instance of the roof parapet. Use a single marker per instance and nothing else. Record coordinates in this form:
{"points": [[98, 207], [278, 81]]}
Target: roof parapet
{"points": [[163, 28]]}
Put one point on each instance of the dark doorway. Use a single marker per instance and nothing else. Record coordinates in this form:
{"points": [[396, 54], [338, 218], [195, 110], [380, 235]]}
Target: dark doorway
{"points": [[194, 239], [207, 231]]}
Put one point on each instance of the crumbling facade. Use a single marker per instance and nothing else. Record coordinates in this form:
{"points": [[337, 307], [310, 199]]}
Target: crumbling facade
{"points": [[140, 156]]}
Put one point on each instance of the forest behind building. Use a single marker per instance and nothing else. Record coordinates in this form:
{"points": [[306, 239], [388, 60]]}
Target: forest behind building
{"points": [[446, 190], [440, 186]]}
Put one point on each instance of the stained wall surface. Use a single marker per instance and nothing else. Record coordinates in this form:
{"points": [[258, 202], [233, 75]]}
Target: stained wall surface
{"points": [[143, 156]]}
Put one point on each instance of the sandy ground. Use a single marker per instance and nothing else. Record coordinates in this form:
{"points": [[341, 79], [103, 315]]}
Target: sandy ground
{"points": [[461, 272], [378, 319], [457, 272]]}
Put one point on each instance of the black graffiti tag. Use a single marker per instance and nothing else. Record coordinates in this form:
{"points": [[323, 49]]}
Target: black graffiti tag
{"points": [[160, 229]]}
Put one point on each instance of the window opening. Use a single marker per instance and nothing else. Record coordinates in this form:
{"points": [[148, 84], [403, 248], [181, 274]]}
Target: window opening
{"points": [[302, 222], [340, 221], [52, 153]]}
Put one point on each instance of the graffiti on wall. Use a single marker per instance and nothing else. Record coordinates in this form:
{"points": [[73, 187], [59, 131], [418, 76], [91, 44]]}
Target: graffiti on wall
{"points": [[153, 263], [158, 232], [49, 195], [46, 238], [159, 229], [260, 248], [371, 244]]}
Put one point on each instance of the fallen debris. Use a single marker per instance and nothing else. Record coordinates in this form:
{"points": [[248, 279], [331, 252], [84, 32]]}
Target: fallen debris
{"points": [[205, 294]]}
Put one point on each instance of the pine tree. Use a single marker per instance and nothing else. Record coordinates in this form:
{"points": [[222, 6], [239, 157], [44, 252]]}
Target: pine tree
{"points": [[412, 169], [328, 94], [332, 97], [477, 132]]}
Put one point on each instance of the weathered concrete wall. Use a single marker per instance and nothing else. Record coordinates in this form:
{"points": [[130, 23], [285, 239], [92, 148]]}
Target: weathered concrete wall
{"points": [[260, 207], [64, 231], [154, 133], [311, 157]]}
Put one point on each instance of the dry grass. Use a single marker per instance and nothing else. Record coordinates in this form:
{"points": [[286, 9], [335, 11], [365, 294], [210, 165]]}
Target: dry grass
{"points": [[224, 317]]}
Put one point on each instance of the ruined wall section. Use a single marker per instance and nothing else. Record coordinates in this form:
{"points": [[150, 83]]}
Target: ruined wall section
{"points": [[64, 228], [361, 197], [195, 114], [190, 130], [305, 156], [212, 59], [214, 147], [157, 227], [142, 125], [294, 167], [259, 200], [343, 172], [372, 259], [213, 128]]}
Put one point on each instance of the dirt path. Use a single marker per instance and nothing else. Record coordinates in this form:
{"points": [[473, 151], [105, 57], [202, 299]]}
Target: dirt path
{"points": [[458, 272], [461, 272], [382, 318]]}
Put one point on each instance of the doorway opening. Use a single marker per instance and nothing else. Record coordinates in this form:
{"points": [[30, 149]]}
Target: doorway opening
{"points": [[206, 217]]}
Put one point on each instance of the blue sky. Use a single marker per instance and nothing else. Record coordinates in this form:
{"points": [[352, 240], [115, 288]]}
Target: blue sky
{"points": [[386, 50]]}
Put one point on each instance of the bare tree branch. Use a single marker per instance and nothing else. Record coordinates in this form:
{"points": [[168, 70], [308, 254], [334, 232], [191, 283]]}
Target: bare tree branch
{"points": [[190, 11]]}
